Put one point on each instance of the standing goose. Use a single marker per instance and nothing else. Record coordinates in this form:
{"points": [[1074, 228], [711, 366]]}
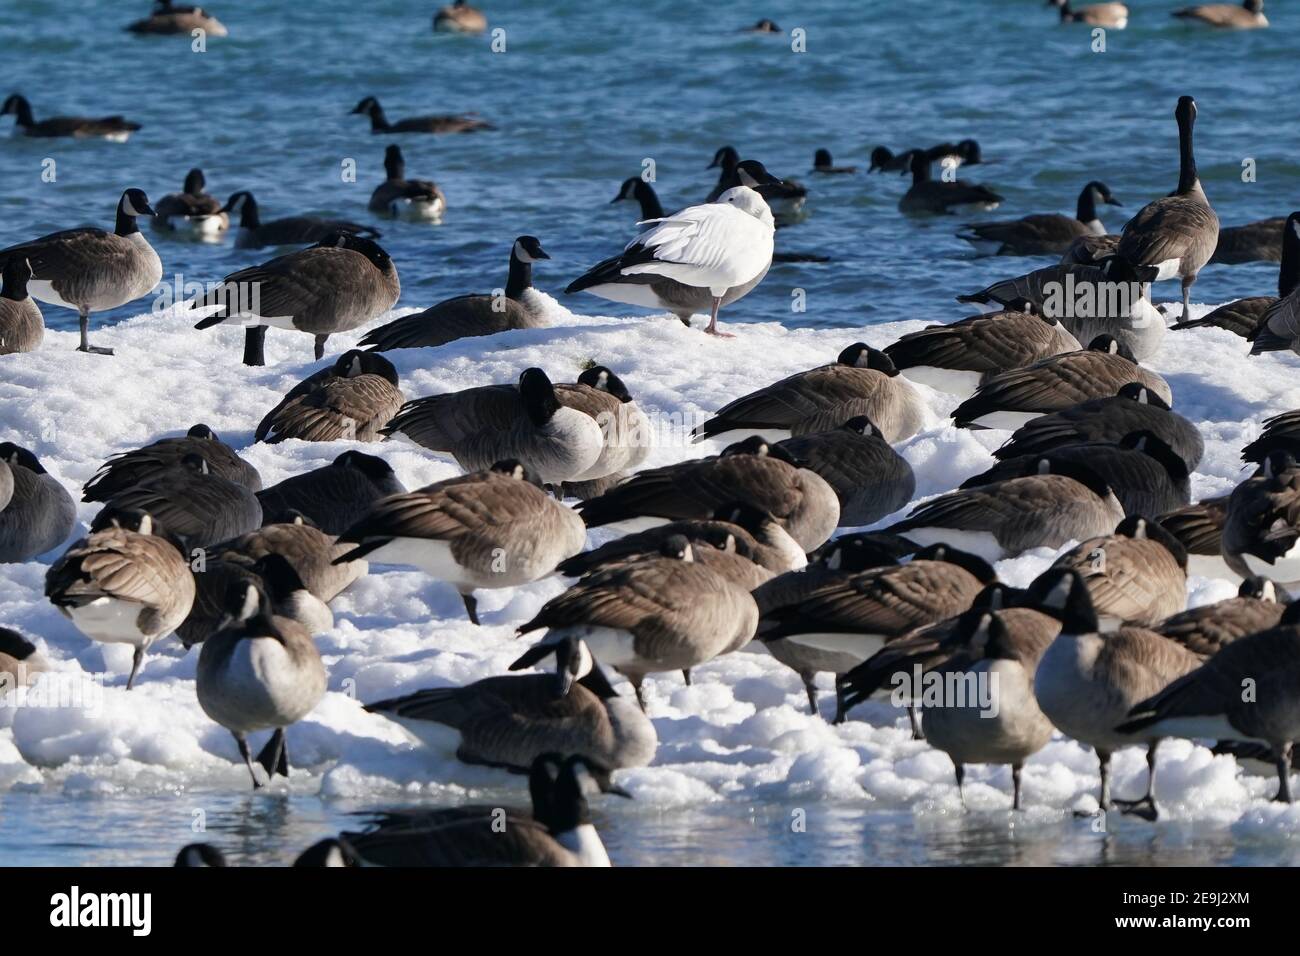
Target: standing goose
{"points": [[20, 661], [784, 197], [91, 270], [1043, 509], [1042, 235], [459, 17], [133, 467], [191, 209], [403, 198], [338, 284], [1177, 234], [939, 197], [1010, 399], [334, 497], [1199, 529], [1113, 15], [261, 672], [470, 316], [126, 583], [352, 399], [289, 231], [1260, 241], [22, 328], [1259, 605], [1270, 325], [870, 479], [751, 472], [488, 529], [555, 442], [822, 163], [417, 124], [861, 381], [1249, 15], [666, 613], [284, 588], [114, 128], [36, 514], [170, 19], [1261, 532], [310, 552]]}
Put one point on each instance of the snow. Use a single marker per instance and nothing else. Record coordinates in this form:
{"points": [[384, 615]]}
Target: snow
{"points": [[741, 731]]}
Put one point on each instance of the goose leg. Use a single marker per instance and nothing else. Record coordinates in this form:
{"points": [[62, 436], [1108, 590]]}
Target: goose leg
{"points": [[85, 346], [1146, 806], [841, 706], [811, 688], [1103, 760], [712, 328], [915, 719], [636, 687], [1187, 296], [255, 345], [136, 660], [960, 770], [1283, 758], [686, 675], [320, 346], [248, 758], [274, 757], [471, 608], [1015, 785]]}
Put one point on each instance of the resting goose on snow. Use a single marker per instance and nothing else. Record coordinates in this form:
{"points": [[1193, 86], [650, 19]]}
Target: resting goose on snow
{"points": [[1114, 15], [938, 197], [469, 316], [352, 399], [870, 479], [114, 128], [1248, 15], [191, 209], [310, 552], [91, 270], [36, 512], [1199, 529], [334, 497], [1259, 605], [459, 17], [417, 124], [22, 327], [169, 19], [1262, 525], [1261, 318], [130, 468], [1260, 241], [403, 198], [289, 231], [1042, 235]]}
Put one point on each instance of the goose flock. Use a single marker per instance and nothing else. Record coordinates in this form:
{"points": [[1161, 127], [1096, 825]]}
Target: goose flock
{"points": [[786, 523]]}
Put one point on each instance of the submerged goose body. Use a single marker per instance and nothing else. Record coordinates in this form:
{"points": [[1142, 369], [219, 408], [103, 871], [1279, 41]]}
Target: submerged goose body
{"points": [[402, 198], [114, 128], [352, 399], [22, 327], [253, 233], [334, 497], [131, 468], [191, 210], [459, 17], [1042, 235], [825, 165], [36, 512], [870, 479], [939, 197], [417, 124], [168, 19]]}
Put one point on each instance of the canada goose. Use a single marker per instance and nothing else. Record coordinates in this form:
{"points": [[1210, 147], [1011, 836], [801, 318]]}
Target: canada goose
{"points": [[836, 621], [967, 152], [784, 197], [1199, 529], [751, 472], [334, 497], [1178, 233], [960, 357], [485, 425], [643, 194], [1259, 605], [1260, 241], [285, 589], [510, 721], [666, 613], [200, 855], [22, 328], [1279, 329], [417, 124], [289, 231], [724, 247], [20, 661], [1113, 15], [192, 209], [91, 270], [861, 381], [1134, 409], [403, 198], [310, 551], [1249, 15], [763, 26], [459, 17], [1137, 575], [1240, 317], [127, 582], [1262, 525], [1042, 235], [1280, 433], [260, 672], [1148, 478], [1055, 503], [1090, 250], [114, 128], [469, 316], [938, 197], [870, 479], [352, 399], [1088, 680], [822, 163], [168, 19], [1010, 399], [488, 529], [130, 468], [38, 514], [885, 161], [338, 284]]}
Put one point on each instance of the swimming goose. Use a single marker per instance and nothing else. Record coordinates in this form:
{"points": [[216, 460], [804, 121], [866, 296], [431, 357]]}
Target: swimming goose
{"points": [[481, 426], [1055, 503], [285, 589], [885, 161], [1279, 329], [488, 529], [1148, 478], [1199, 529], [861, 381], [310, 551], [127, 582], [469, 316], [192, 502], [1262, 525], [22, 327], [334, 497], [724, 247], [403, 198], [1259, 605], [938, 197], [114, 128], [418, 124], [1138, 575], [1178, 233], [1042, 235], [338, 284], [130, 468], [289, 231], [1010, 399], [1113, 15], [959, 357], [763, 26], [784, 197], [261, 672], [822, 163], [1134, 409], [200, 855], [20, 661], [192, 209], [751, 472], [870, 479], [168, 19], [352, 399], [636, 189], [510, 721], [1249, 15], [1260, 241], [1088, 680], [37, 513], [91, 270], [459, 17], [666, 613]]}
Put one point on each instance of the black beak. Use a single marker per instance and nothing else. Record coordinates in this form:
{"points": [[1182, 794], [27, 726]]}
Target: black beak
{"points": [[147, 210], [1112, 201], [540, 253], [618, 198]]}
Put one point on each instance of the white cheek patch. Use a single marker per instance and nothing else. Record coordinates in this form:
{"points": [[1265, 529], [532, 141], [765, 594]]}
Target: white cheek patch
{"points": [[521, 254]]}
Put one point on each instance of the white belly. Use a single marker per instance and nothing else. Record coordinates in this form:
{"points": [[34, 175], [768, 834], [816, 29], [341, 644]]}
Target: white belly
{"points": [[960, 382], [612, 646], [43, 291], [432, 557], [1211, 566], [859, 646], [1006, 419], [1285, 570], [111, 621], [982, 543]]}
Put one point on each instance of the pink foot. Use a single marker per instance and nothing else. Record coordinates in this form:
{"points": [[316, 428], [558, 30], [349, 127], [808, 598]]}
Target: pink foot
{"points": [[719, 333]]}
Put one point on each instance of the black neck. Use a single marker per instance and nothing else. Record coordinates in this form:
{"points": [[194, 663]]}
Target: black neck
{"points": [[520, 279], [249, 218], [125, 223], [15, 285], [1087, 210], [1186, 158], [23, 113], [396, 168], [650, 207], [377, 118], [920, 172], [1288, 276]]}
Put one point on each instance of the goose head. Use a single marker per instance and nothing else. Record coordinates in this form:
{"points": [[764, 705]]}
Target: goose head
{"points": [[725, 158], [822, 159], [135, 203], [678, 548], [339, 239], [201, 431], [355, 362], [199, 855], [538, 395], [367, 106], [194, 182], [514, 469], [752, 173], [1063, 594], [17, 455], [528, 249], [601, 378], [860, 355]]}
